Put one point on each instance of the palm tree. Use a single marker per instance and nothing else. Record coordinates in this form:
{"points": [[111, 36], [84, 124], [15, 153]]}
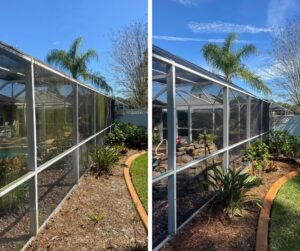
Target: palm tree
{"points": [[76, 63], [229, 62]]}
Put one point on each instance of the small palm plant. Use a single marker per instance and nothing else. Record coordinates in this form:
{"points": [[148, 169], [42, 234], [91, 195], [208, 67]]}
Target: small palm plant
{"points": [[104, 159], [231, 188]]}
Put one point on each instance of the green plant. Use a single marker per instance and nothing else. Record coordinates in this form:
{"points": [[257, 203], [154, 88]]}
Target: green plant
{"points": [[258, 155], [209, 137], [116, 137], [10, 170], [281, 142], [231, 189], [104, 159], [126, 134], [97, 217], [76, 63], [230, 62]]}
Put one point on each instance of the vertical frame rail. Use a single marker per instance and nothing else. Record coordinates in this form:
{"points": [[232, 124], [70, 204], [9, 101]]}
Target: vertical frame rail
{"points": [[32, 147], [248, 120], [226, 127], [172, 134], [75, 136]]}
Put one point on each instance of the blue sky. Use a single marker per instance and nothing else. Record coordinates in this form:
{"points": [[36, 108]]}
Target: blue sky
{"points": [[36, 26], [183, 26]]}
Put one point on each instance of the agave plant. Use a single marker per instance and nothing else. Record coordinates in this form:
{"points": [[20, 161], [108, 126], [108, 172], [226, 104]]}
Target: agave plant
{"points": [[231, 188], [104, 159]]}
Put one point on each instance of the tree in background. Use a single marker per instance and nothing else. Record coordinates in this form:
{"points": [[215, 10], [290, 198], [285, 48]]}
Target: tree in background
{"points": [[130, 62], [230, 62], [286, 54], [76, 63]]}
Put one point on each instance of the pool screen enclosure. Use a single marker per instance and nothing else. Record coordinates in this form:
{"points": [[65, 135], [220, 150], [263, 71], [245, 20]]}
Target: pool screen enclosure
{"points": [[199, 121], [49, 123]]}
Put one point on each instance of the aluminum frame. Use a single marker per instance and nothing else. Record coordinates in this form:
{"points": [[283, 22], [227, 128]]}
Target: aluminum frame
{"points": [[172, 171], [33, 168]]}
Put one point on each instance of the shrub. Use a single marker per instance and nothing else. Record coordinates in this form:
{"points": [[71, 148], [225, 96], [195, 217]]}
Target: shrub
{"points": [[116, 137], [10, 170], [258, 155], [207, 137], [231, 189], [104, 159], [281, 142], [131, 135]]}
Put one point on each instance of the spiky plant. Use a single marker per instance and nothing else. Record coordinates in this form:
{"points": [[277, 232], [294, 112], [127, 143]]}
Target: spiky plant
{"points": [[231, 188]]}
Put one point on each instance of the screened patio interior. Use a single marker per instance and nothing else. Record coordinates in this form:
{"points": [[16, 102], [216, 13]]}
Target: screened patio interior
{"points": [[199, 121], [49, 124]]}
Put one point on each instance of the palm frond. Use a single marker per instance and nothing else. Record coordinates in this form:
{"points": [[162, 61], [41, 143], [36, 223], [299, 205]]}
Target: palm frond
{"points": [[213, 55], [88, 55], [73, 52], [246, 51], [254, 80], [99, 81], [59, 58], [230, 39]]}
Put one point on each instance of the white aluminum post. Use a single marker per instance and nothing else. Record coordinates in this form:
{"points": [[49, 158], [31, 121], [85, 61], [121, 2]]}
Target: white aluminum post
{"points": [[95, 118], [190, 135], [32, 148], [75, 155], [226, 127], [248, 120], [261, 118], [172, 127]]}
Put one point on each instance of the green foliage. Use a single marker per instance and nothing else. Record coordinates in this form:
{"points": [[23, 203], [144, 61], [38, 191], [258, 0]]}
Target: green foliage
{"points": [[116, 137], [76, 63], [229, 62], [139, 176], [97, 217], [281, 142], [131, 135], [104, 159], [231, 189], [258, 155], [209, 137], [10, 170]]}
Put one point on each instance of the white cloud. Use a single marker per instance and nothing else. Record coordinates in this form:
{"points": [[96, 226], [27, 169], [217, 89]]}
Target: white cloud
{"points": [[189, 2], [190, 39], [56, 42], [279, 11], [222, 27]]}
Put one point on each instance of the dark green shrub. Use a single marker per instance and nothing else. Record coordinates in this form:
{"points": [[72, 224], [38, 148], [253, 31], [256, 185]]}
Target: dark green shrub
{"points": [[116, 137], [231, 189], [10, 170], [258, 155], [104, 159], [131, 135], [281, 142]]}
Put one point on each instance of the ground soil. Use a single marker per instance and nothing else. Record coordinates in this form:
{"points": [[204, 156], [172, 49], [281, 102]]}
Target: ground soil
{"points": [[73, 227], [211, 231]]}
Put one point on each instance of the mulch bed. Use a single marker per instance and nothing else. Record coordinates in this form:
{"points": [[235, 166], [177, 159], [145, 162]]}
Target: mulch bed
{"points": [[211, 231], [73, 228]]}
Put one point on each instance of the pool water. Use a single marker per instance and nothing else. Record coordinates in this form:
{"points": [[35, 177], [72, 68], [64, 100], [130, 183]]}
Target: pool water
{"points": [[12, 152]]}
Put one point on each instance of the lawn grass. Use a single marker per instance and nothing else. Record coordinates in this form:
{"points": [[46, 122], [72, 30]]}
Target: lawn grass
{"points": [[139, 176], [285, 218]]}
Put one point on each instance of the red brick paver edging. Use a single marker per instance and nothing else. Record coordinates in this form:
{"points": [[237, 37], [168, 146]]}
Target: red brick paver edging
{"points": [[264, 216], [136, 200]]}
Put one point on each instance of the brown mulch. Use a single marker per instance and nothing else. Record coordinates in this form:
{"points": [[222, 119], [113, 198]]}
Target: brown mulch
{"points": [[73, 228], [211, 231]]}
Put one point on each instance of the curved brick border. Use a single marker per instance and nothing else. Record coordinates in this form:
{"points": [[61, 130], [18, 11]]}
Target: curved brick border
{"points": [[136, 200], [264, 216]]}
